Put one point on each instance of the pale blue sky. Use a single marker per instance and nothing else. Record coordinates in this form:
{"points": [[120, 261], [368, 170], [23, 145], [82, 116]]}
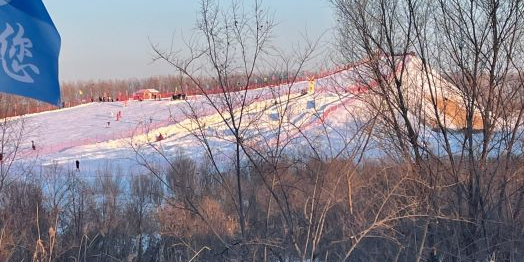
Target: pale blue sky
{"points": [[109, 39]]}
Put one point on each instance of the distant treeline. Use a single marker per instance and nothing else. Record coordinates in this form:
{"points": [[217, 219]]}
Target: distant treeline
{"points": [[80, 92]]}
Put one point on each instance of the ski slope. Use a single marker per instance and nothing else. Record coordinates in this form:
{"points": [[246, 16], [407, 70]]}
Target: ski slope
{"points": [[277, 120]]}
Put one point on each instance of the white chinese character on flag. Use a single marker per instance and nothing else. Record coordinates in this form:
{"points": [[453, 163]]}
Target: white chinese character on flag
{"points": [[14, 48]]}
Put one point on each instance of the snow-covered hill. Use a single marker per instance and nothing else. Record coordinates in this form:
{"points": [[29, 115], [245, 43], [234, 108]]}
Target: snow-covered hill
{"points": [[277, 119]]}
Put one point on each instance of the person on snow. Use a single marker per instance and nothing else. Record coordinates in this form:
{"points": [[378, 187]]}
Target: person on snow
{"points": [[33, 146], [77, 164]]}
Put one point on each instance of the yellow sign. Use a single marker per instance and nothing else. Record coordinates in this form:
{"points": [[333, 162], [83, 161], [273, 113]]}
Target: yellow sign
{"points": [[311, 86]]}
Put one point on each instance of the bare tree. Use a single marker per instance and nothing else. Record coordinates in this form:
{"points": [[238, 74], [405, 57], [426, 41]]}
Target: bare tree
{"points": [[449, 67]]}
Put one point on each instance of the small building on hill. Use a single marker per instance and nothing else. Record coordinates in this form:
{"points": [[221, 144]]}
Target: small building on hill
{"points": [[146, 94]]}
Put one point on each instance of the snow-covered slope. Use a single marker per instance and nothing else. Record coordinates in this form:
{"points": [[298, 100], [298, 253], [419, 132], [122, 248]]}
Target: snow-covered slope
{"points": [[278, 119]]}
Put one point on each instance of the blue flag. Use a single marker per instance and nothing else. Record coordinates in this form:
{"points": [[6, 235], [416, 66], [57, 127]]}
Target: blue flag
{"points": [[29, 49]]}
